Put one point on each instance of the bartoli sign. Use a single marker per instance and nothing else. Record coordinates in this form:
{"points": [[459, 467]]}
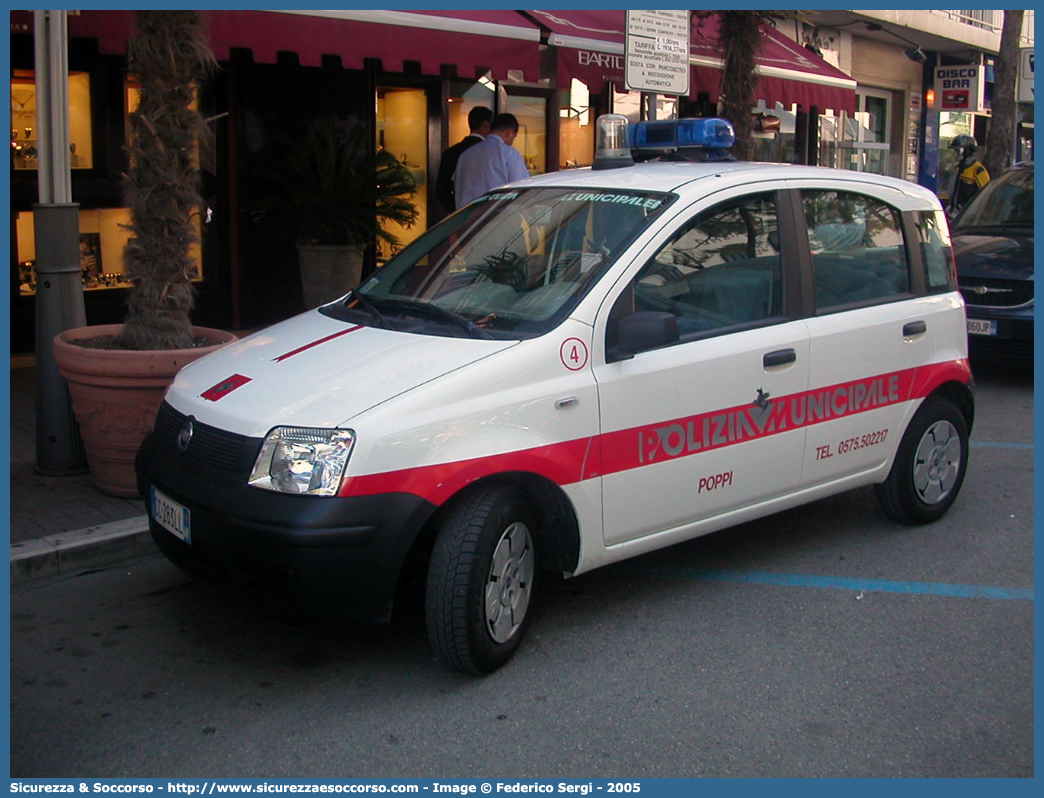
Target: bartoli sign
{"points": [[960, 88]]}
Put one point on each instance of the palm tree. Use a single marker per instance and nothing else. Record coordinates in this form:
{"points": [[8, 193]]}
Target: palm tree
{"points": [[1000, 140], [170, 55], [740, 34]]}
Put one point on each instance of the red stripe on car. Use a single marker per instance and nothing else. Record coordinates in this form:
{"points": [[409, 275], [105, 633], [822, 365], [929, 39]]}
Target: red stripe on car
{"points": [[574, 461], [313, 344]]}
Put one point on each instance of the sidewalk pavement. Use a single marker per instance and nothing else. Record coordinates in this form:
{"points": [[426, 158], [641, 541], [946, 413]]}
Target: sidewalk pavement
{"points": [[60, 524]]}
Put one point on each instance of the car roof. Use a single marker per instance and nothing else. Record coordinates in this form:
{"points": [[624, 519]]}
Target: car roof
{"points": [[1021, 166], [681, 176]]}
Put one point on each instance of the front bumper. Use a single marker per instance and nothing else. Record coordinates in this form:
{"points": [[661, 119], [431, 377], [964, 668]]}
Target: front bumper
{"points": [[338, 556]]}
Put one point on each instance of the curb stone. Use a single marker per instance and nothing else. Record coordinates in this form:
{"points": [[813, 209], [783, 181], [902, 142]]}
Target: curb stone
{"points": [[90, 547]]}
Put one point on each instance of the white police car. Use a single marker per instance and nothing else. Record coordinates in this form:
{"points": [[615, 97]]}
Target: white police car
{"points": [[573, 370]]}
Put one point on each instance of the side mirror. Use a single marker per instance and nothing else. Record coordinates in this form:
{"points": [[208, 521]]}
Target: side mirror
{"points": [[638, 332]]}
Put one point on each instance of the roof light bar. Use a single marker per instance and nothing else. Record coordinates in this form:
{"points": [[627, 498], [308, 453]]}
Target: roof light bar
{"points": [[618, 143], [711, 134]]}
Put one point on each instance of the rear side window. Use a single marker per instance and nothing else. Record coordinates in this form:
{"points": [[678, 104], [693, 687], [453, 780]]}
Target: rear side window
{"points": [[934, 239], [858, 251]]}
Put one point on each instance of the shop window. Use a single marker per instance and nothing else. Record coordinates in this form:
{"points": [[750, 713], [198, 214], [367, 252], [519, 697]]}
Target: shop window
{"points": [[532, 129], [634, 105], [866, 137], [103, 236], [24, 130], [576, 128], [464, 97], [775, 133], [402, 130]]}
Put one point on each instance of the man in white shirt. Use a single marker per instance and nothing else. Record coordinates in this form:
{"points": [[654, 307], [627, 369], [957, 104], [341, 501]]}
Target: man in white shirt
{"points": [[479, 120], [491, 163]]}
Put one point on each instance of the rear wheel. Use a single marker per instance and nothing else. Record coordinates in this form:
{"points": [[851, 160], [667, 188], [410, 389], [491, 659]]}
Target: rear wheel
{"points": [[929, 467], [480, 580]]}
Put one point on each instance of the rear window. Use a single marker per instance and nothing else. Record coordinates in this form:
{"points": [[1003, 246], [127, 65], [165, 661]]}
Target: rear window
{"points": [[934, 239], [858, 250], [1004, 202]]}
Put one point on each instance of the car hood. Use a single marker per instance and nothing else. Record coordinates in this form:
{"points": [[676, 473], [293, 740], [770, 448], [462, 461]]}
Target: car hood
{"points": [[315, 371], [1000, 256]]}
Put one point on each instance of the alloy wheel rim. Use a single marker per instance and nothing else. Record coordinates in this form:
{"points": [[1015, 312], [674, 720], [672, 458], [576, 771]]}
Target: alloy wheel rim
{"points": [[510, 583], [937, 462]]}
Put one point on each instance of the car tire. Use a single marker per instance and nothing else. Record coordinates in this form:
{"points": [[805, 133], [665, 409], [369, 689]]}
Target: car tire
{"points": [[929, 467], [480, 579]]}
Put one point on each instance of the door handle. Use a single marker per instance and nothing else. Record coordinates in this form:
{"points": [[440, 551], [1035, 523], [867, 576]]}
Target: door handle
{"points": [[914, 328], [779, 358]]}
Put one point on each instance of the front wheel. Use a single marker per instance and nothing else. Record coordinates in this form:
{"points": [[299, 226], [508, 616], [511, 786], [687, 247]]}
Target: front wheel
{"points": [[480, 580], [929, 467]]}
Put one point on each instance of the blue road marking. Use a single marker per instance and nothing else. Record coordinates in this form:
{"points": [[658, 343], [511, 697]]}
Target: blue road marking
{"points": [[854, 584]]}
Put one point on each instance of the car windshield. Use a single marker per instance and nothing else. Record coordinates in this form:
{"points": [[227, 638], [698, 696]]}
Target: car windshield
{"points": [[511, 265], [1004, 202]]}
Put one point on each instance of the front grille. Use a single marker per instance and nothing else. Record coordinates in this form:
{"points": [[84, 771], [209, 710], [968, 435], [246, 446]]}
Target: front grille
{"points": [[209, 445], [991, 293]]}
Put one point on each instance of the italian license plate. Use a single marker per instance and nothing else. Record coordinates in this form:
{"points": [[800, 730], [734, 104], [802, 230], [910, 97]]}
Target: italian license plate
{"points": [[170, 515], [982, 327]]}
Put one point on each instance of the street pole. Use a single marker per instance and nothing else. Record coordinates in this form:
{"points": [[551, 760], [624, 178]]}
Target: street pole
{"points": [[59, 286]]}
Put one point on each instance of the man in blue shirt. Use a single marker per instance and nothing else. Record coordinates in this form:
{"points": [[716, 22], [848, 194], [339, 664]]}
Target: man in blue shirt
{"points": [[491, 163]]}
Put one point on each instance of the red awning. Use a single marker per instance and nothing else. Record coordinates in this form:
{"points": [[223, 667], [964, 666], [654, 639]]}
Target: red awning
{"points": [[787, 72], [591, 47], [471, 41]]}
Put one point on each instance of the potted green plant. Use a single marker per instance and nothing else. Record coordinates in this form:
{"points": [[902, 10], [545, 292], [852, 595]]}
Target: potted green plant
{"points": [[336, 194], [117, 374]]}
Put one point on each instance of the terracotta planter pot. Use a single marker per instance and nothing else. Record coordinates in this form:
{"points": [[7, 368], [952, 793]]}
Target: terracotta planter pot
{"points": [[115, 396]]}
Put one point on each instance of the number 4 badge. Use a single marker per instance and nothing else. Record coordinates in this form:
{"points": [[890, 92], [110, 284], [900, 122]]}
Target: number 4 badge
{"points": [[573, 354]]}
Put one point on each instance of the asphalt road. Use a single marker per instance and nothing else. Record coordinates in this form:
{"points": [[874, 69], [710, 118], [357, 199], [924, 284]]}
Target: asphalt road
{"points": [[823, 641]]}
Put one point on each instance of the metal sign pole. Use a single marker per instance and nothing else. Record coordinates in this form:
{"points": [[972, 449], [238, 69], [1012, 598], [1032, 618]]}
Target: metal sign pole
{"points": [[59, 287]]}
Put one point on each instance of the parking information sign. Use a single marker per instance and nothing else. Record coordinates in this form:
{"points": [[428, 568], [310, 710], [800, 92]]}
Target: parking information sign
{"points": [[657, 45]]}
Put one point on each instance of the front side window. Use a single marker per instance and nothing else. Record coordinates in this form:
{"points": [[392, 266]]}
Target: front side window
{"points": [[511, 265], [858, 252], [721, 269]]}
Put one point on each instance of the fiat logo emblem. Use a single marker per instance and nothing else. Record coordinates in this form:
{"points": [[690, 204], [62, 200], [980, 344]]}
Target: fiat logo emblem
{"points": [[185, 435]]}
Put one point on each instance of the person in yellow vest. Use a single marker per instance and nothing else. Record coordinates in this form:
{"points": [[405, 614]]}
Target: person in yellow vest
{"points": [[971, 174]]}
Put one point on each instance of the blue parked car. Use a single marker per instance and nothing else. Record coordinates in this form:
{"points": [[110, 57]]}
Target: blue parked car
{"points": [[993, 246]]}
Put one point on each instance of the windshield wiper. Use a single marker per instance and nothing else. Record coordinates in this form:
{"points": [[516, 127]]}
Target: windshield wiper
{"points": [[437, 312], [370, 308]]}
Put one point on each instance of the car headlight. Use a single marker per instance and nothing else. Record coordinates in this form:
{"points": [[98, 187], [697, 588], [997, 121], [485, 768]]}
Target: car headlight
{"points": [[303, 460]]}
